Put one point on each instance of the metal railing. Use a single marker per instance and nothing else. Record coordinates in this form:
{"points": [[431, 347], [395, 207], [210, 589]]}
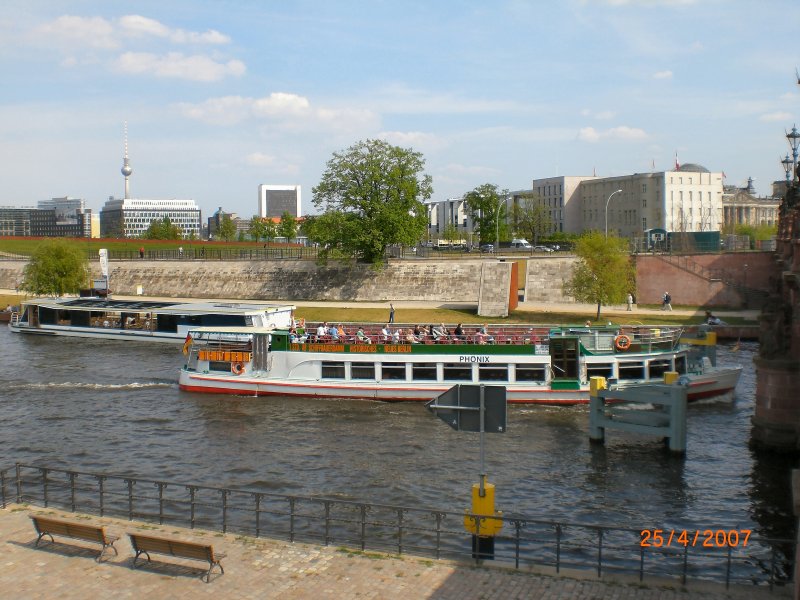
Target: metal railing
{"points": [[522, 542]]}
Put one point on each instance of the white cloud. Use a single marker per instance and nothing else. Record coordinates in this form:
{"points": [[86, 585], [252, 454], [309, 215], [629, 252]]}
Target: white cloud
{"points": [[258, 159], [174, 64], [662, 75], [413, 139], [139, 26], [602, 115], [94, 32], [776, 116], [623, 132], [290, 111]]}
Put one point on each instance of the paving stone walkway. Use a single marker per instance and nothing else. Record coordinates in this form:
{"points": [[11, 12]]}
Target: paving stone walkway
{"points": [[263, 568]]}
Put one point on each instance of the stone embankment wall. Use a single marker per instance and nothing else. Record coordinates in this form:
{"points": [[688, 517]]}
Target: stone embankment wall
{"points": [[423, 280]]}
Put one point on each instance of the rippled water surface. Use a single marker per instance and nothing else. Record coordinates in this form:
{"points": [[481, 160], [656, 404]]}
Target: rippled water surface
{"points": [[111, 407]]}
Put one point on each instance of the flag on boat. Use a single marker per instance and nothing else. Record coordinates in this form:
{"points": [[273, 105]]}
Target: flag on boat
{"points": [[187, 344]]}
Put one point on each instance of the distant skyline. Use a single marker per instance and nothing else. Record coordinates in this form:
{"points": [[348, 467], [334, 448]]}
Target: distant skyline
{"points": [[223, 96]]}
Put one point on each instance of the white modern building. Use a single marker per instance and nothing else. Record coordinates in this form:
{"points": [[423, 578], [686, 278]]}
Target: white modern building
{"points": [[130, 217], [274, 200]]}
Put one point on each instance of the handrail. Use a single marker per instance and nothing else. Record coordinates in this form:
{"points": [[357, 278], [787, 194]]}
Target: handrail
{"points": [[523, 542]]}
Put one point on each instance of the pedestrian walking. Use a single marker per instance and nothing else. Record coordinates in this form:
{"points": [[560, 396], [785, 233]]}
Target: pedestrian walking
{"points": [[630, 302], [667, 300], [141, 252], [180, 251], [391, 313]]}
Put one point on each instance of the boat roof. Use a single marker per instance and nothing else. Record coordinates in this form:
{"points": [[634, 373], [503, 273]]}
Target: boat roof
{"points": [[158, 306], [233, 329]]}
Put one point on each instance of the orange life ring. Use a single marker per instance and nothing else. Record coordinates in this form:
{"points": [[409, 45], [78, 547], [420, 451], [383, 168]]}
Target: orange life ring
{"points": [[622, 342], [237, 368]]}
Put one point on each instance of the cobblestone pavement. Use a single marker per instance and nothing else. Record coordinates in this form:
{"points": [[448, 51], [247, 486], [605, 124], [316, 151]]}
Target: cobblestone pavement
{"points": [[263, 568]]}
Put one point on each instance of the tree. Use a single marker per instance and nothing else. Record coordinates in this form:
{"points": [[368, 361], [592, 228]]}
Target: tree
{"points": [[57, 267], [257, 229], [227, 229], [270, 229], [162, 229], [531, 218], [372, 195], [450, 233], [604, 272], [485, 205], [288, 226]]}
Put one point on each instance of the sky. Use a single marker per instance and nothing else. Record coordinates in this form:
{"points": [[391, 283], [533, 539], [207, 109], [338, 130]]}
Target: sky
{"points": [[220, 96]]}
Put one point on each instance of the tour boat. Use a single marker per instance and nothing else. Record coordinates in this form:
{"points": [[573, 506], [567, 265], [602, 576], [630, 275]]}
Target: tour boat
{"points": [[537, 365], [151, 320]]}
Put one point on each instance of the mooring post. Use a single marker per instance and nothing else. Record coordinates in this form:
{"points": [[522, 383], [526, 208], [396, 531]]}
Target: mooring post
{"points": [[597, 433]]}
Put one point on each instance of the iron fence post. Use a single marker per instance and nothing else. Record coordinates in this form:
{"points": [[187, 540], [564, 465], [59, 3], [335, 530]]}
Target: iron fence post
{"points": [[100, 484], [129, 483], [327, 521], [558, 547], [160, 485], [685, 563], [728, 568], [400, 513], [439, 517], [517, 528], [43, 471], [18, 468], [258, 513], [363, 511], [71, 476], [291, 518], [599, 551], [192, 489], [225, 494]]}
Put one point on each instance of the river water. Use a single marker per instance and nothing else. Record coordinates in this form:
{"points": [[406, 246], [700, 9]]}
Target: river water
{"points": [[104, 406]]}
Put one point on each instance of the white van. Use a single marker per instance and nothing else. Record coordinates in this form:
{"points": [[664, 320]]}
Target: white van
{"points": [[522, 244]]}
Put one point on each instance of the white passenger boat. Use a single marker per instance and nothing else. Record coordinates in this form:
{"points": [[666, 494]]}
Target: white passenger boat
{"points": [[536, 365], [153, 320]]}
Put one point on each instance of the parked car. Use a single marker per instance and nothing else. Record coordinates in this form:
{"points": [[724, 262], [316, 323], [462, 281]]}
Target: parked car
{"points": [[487, 247], [542, 249]]}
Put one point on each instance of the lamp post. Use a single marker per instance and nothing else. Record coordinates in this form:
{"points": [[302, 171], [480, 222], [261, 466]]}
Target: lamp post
{"points": [[497, 227], [607, 201], [794, 142], [787, 167]]}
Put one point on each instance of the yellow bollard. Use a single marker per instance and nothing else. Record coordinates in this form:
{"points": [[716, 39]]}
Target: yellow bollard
{"points": [[483, 506], [671, 377]]}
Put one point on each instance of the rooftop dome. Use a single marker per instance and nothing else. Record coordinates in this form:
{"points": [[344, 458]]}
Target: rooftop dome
{"points": [[692, 168]]}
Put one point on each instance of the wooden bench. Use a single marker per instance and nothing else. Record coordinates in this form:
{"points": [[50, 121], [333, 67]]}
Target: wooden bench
{"points": [[145, 544], [46, 526]]}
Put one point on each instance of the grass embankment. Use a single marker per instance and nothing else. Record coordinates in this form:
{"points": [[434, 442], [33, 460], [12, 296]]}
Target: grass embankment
{"points": [[427, 316]]}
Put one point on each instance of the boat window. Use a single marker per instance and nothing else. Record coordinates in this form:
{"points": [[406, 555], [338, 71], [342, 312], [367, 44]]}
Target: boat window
{"points": [[456, 372], [530, 373], [219, 366], [492, 372], [659, 367], [362, 370], [631, 371], [332, 370], [600, 370], [423, 372], [393, 371]]}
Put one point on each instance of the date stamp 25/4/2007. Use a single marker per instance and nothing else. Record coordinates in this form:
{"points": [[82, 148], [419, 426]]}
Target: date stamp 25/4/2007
{"points": [[706, 538]]}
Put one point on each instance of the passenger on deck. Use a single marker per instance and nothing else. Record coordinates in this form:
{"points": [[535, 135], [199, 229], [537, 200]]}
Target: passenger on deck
{"points": [[322, 331], [386, 334], [333, 332], [483, 337], [410, 338], [712, 320], [440, 332], [362, 337], [458, 333], [397, 336], [419, 332], [341, 332]]}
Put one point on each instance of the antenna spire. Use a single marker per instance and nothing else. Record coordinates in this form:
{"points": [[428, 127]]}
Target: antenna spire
{"points": [[126, 167]]}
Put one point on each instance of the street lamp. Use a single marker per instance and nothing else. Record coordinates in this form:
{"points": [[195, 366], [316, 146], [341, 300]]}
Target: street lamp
{"points": [[787, 167], [607, 201], [794, 142], [497, 227]]}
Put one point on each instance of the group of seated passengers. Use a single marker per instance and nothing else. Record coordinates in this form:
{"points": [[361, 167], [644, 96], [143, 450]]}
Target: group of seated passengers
{"points": [[420, 333]]}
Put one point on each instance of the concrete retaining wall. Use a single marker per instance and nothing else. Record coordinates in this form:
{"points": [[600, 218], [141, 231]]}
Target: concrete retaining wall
{"points": [[545, 278]]}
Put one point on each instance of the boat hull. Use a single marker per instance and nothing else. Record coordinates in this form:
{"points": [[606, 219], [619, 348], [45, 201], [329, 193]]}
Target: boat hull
{"points": [[700, 387]]}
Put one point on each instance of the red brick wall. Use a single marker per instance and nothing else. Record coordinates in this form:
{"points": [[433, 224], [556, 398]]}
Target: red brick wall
{"points": [[655, 275]]}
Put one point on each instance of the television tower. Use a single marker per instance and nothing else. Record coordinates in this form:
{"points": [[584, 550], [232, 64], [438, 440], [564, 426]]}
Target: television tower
{"points": [[126, 167]]}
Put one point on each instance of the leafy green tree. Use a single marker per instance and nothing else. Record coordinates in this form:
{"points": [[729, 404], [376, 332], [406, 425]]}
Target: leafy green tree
{"points": [[270, 229], [485, 205], [240, 237], [372, 195], [288, 226], [257, 230], [451, 233], [162, 229], [604, 272], [57, 267], [227, 229], [531, 218]]}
